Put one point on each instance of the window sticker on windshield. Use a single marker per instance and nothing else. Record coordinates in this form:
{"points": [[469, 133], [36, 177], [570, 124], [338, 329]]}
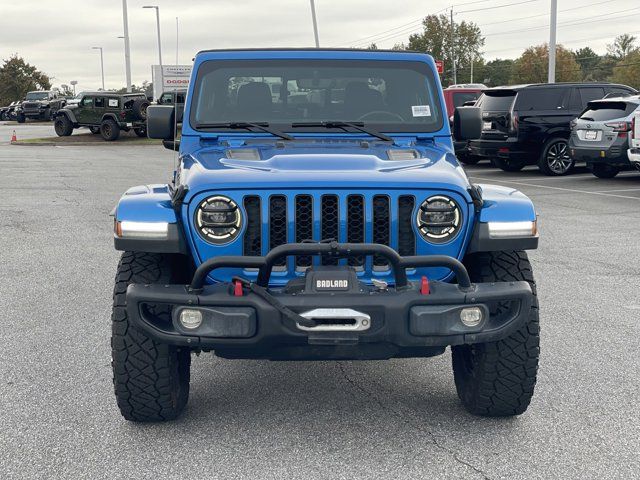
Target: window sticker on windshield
{"points": [[421, 110], [113, 102]]}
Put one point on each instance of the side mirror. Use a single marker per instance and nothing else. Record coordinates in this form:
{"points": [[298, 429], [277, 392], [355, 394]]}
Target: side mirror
{"points": [[467, 123], [161, 122]]}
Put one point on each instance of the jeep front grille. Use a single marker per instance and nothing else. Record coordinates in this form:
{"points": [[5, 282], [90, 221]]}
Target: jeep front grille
{"points": [[305, 217]]}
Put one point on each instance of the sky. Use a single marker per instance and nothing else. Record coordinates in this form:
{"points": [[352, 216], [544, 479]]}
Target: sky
{"points": [[57, 36]]}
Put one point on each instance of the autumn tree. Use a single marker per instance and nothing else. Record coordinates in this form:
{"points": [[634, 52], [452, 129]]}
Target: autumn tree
{"points": [[533, 66], [494, 73], [436, 41], [17, 77], [627, 70]]}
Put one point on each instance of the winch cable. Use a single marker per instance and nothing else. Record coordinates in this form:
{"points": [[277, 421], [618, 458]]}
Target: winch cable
{"points": [[275, 303]]}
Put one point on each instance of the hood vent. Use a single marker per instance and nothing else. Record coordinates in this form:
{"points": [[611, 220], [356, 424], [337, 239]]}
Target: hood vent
{"points": [[243, 154], [399, 155]]}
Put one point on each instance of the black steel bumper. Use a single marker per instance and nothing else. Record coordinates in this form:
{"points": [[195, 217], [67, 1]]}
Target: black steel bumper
{"points": [[404, 320]]}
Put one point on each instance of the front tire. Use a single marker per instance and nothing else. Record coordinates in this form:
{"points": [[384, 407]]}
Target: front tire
{"points": [[151, 379], [20, 118], [63, 126], [497, 379], [555, 159], [602, 170]]}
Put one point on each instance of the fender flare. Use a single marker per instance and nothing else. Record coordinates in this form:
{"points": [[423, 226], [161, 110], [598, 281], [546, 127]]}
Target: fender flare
{"points": [[145, 221], [70, 115], [502, 205]]}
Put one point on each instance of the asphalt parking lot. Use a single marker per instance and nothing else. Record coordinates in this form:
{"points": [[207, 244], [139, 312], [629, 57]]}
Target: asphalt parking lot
{"points": [[340, 420]]}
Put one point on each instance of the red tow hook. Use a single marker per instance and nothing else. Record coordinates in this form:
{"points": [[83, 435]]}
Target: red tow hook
{"points": [[424, 286], [237, 288]]}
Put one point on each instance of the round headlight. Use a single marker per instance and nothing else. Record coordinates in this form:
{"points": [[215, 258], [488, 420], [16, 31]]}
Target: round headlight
{"points": [[218, 219], [439, 219]]}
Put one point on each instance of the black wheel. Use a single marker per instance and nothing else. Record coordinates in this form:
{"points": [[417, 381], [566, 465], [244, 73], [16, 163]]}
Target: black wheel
{"points": [[151, 379], [497, 379], [139, 108], [602, 170], [94, 130], [141, 132], [63, 126], [20, 118], [508, 165], [110, 130], [468, 159], [555, 159]]}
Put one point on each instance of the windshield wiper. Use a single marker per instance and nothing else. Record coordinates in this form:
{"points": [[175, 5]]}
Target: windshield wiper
{"points": [[344, 125], [263, 126]]}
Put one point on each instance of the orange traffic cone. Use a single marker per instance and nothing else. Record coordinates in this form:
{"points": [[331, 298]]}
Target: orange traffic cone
{"points": [[14, 139]]}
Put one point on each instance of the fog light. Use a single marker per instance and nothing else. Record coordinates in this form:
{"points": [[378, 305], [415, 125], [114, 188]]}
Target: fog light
{"points": [[190, 318], [471, 316]]}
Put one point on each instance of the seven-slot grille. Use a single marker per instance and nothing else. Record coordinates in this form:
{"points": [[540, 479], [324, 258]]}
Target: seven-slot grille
{"points": [[306, 217]]}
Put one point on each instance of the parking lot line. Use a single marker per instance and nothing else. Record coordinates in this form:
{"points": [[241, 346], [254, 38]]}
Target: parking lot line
{"points": [[571, 190], [619, 190]]}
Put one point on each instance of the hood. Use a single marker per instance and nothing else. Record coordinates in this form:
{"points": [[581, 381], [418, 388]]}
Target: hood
{"points": [[325, 163]]}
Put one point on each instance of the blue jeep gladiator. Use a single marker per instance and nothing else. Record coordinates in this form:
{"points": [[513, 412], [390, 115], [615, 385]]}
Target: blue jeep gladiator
{"points": [[318, 212]]}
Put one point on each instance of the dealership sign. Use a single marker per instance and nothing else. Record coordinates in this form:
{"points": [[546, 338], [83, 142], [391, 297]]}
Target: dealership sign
{"points": [[169, 78]]}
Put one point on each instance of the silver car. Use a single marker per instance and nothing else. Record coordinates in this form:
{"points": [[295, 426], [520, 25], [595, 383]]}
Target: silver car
{"points": [[600, 135]]}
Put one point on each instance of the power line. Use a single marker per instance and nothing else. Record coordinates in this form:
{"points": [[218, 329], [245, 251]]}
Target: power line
{"points": [[566, 24], [498, 6]]}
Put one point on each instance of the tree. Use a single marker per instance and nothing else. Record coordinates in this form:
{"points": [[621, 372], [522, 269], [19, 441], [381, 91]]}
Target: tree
{"points": [[436, 41], [533, 66], [373, 46], [622, 46], [18, 77], [587, 59], [494, 73], [627, 71]]}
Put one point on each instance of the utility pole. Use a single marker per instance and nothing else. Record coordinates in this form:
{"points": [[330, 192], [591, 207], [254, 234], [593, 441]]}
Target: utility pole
{"points": [[101, 64], [453, 54], [127, 51], [552, 42], [315, 23]]}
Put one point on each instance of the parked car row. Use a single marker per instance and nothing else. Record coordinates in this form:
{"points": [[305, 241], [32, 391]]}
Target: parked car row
{"points": [[546, 125], [37, 105]]}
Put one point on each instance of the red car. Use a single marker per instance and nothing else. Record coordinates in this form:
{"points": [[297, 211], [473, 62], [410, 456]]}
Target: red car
{"points": [[457, 96]]}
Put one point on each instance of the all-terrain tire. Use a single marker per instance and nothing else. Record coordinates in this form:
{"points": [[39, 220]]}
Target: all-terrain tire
{"points": [[497, 379], [151, 379], [601, 170], [20, 118], [508, 165], [141, 132], [109, 130], [139, 108], [63, 126]]}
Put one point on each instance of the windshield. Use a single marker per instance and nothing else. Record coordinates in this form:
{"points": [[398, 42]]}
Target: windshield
{"points": [[37, 96], [391, 96], [460, 98]]}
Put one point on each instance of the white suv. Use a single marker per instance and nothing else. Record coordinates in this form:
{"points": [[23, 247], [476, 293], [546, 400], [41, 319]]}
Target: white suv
{"points": [[634, 142]]}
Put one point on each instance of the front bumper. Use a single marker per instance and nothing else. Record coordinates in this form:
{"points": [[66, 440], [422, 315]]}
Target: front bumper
{"points": [[400, 321]]}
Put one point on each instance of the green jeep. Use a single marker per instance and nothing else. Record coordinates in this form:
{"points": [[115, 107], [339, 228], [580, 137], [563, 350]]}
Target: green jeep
{"points": [[105, 113]]}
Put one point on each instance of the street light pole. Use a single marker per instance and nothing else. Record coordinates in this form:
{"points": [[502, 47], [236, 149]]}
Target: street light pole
{"points": [[177, 36], [552, 42], [158, 24], [101, 64], [127, 51], [315, 23], [453, 51]]}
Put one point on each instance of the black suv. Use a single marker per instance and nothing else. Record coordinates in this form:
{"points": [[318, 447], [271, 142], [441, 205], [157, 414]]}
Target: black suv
{"points": [[106, 113], [530, 124]]}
